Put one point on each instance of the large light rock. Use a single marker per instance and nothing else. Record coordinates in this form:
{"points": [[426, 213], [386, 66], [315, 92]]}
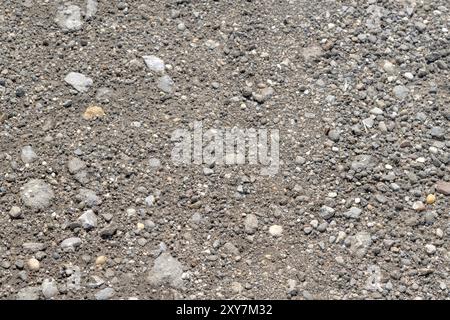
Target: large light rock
{"points": [[37, 194], [68, 18], [166, 271], [79, 81]]}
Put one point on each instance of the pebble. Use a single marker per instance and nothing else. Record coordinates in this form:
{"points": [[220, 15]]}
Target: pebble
{"points": [[28, 293], [443, 187], [408, 75], [376, 111], [401, 92], [431, 198], [89, 198], [88, 220], [154, 63], [276, 230], [34, 246], [389, 67], [353, 213], [79, 81], [68, 18], [33, 264], [91, 8], [360, 243], [28, 155], [140, 226], [165, 84], [251, 223], [236, 287], [326, 212], [437, 132], [75, 165], [49, 288], [71, 244], [101, 260], [37, 194], [334, 135], [211, 44], [150, 200], [93, 112], [418, 206], [108, 232], [15, 212], [362, 162], [430, 249], [263, 95], [166, 270], [105, 294]]}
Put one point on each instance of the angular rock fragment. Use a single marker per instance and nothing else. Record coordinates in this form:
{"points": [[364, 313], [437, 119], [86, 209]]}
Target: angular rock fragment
{"points": [[166, 271]]}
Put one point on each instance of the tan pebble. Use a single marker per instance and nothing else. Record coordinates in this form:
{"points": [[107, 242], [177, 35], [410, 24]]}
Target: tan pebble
{"points": [[33, 264], [101, 260], [140, 226], [431, 198], [93, 112]]}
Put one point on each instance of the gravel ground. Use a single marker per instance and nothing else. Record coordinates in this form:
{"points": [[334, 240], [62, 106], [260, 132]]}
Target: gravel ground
{"points": [[93, 206]]}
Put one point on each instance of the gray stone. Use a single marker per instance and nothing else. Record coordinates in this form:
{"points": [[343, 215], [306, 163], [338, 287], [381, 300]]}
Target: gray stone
{"points": [[28, 293], [263, 95], [211, 44], [326, 212], [360, 243], [108, 231], [95, 282], [105, 294], [353, 213], [150, 200], [74, 280], [437, 132], [401, 92], [377, 111], [231, 248], [91, 8], [389, 67], [369, 122], [28, 155], [68, 18], [154, 63], [165, 84], [166, 271], [34, 246], [430, 249], [15, 212], [49, 288], [89, 198], [334, 135], [88, 220], [251, 223], [443, 187], [70, 244], [37, 194], [362, 162], [75, 165], [79, 81]]}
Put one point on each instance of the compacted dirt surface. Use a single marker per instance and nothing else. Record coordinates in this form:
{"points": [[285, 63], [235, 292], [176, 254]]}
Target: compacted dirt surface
{"points": [[93, 205]]}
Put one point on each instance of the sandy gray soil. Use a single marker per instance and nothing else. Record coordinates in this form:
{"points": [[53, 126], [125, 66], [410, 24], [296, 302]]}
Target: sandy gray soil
{"points": [[92, 205]]}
